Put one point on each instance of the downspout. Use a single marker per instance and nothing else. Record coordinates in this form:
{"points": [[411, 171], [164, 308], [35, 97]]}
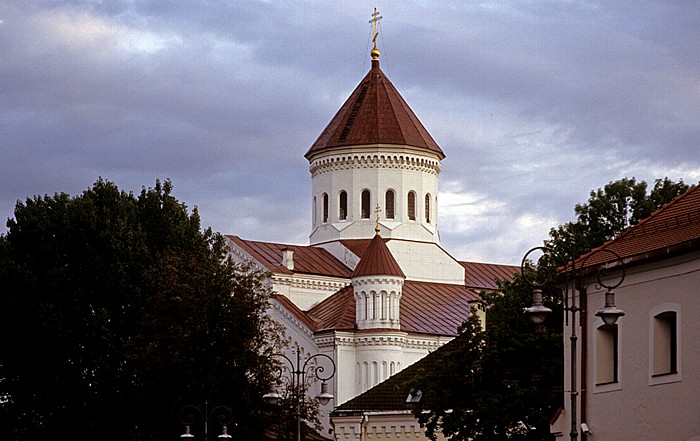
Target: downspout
{"points": [[584, 356]]}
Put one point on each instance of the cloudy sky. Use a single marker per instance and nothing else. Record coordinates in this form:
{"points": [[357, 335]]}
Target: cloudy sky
{"points": [[535, 103]]}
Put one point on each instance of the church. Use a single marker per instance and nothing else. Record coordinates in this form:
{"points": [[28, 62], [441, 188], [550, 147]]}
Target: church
{"points": [[373, 290]]}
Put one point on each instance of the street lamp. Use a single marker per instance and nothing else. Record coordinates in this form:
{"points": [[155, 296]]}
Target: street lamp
{"points": [[571, 285], [300, 376], [191, 414]]}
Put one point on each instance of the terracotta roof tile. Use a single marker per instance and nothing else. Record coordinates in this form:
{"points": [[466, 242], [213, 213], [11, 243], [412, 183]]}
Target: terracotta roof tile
{"points": [[479, 275], [375, 113], [377, 260], [307, 259], [675, 227], [426, 308]]}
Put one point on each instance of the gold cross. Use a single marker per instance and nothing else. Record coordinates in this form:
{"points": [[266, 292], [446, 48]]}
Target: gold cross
{"points": [[375, 19], [377, 210]]}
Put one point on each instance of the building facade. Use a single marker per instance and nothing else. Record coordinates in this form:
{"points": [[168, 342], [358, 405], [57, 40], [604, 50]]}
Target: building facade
{"points": [[373, 290], [639, 377]]}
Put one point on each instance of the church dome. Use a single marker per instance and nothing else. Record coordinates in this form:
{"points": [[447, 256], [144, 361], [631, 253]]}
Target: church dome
{"points": [[375, 113]]}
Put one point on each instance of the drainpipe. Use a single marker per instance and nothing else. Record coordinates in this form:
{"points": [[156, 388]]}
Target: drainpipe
{"points": [[584, 356]]}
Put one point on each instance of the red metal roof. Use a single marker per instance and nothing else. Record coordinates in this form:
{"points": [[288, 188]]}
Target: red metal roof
{"points": [[426, 308], [377, 260], [375, 113], [479, 275], [307, 259], [674, 228]]}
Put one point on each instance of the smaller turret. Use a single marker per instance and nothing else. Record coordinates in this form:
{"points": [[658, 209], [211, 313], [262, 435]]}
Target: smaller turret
{"points": [[377, 283]]}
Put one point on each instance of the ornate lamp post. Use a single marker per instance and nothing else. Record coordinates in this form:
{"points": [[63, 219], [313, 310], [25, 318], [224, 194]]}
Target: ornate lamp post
{"points": [[191, 414], [572, 292], [299, 377]]}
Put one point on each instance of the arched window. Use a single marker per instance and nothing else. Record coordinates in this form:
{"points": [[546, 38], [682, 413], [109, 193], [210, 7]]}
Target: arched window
{"points": [[389, 204], [314, 214], [365, 204], [427, 208], [325, 207], [343, 205], [411, 206]]}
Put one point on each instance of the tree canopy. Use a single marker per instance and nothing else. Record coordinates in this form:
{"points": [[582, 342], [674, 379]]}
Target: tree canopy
{"points": [[505, 382], [119, 310], [609, 211]]}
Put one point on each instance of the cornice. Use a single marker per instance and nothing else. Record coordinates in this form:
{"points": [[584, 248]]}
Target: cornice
{"points": [[297, 281], [374, 280], [388, 160], [381, 338]]}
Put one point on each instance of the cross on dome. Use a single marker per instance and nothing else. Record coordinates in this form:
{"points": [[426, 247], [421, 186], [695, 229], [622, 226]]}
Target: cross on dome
{"points": [[375, 19], [377, 211]]}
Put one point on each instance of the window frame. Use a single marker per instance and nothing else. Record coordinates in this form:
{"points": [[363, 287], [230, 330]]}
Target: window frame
{"points": [[365, 204], [411, 205], [324, 214], [670, 312], [343, 205], [390, 214]]}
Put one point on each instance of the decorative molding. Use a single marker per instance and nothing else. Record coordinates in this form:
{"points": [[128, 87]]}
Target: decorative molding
{"points": [[382, 338], [295, 281], [374, 280], [400, 161]]}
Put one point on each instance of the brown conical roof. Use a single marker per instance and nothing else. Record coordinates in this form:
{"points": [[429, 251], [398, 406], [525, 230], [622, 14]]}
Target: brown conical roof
{"points": [[375, 113], [377, 261]]}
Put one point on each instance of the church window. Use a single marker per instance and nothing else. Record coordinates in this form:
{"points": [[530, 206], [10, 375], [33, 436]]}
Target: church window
{"points": [[325, 207], [411, 206], [314, 214], [343, 212], [607, 355], [365, 204], [665, 344], [389, 204], [427, 208]]}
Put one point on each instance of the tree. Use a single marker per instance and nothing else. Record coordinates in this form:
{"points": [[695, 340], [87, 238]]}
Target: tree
{"points": [[506, 382], [502, 383], [118, 310], [610, 210]]}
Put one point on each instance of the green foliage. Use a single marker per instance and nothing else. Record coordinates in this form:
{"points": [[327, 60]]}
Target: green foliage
{"points": [[609, 211], [505, 383], [118, 310], [499, 384]]}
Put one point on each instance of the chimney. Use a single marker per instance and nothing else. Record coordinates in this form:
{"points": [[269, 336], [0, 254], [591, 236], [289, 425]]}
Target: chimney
{"points": [[288, 258]]}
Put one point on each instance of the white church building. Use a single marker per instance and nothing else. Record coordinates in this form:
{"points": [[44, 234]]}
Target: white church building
{"points": [[373, 289]]}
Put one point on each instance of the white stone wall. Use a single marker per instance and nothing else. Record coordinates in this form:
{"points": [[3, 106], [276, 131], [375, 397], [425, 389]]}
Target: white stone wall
{"points": [[377, 169]]}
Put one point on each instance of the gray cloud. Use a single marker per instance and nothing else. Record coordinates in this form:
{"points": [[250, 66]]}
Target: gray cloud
{"points": [[534, 103]]}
